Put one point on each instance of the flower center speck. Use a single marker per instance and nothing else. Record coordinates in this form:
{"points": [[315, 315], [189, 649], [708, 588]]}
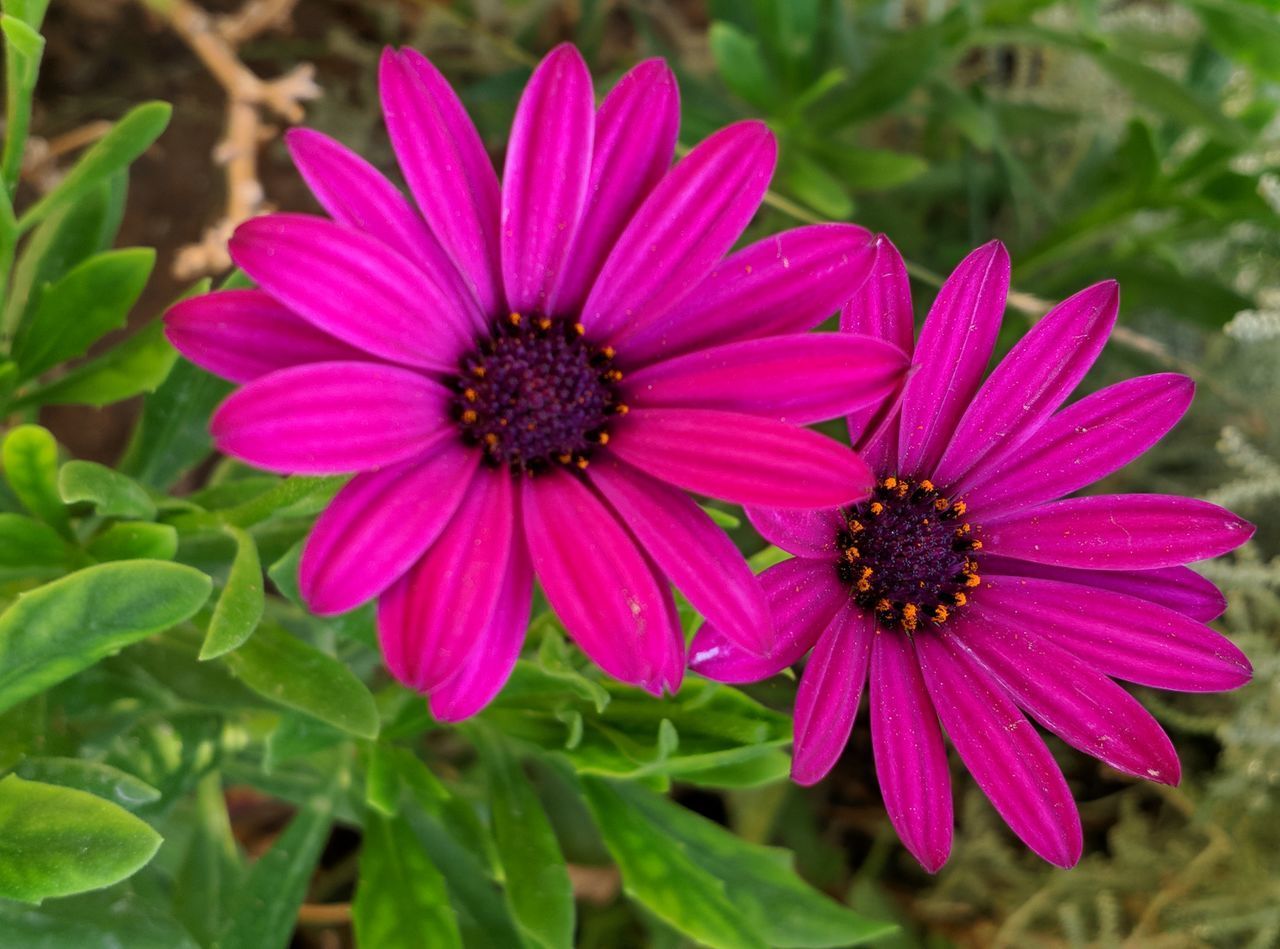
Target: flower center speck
{"points": [[908, 555], [537, 393]]}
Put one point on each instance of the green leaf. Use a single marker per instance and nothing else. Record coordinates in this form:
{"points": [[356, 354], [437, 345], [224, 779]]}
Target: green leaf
{"points": [[119, 918], [870, 169], [90, 301], [743, 69], [712, 885], [402, 900], [111, 493], [56, 841], [1248, 36], [265, 910], [537, 880], [26, 542], [1169, 97], [281, 667], [110, 784], [118, 149], [30, 457], [23, 49], [812, 184], [242, 602], [211, 871], [382, 780], [173, 434], [139, 364], [135, 540], [53, 632]]}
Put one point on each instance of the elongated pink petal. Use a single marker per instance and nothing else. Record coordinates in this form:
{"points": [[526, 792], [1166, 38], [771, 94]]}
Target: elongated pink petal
{"points": [[332, 418], [489, 666], [597, 580], [1123, 636], [1117, 532], [1082, 444], [742, 458], [431, 620], [955, 345], [787, 283], [243, 334], [1033, 380], [1002, 751], [803, 596], [797, 379], [378, 526], [685, 225], [911, 760], [827, 700], [356, 194], [880, 307], [636, 130], [695, 555], [446, 167], [545, 180], [1179, 588], [1069, 697], [803, 533], [354, 287]]}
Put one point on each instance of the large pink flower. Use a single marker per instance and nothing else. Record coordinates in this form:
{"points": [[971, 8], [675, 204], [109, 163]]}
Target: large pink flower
{"points": [[967, 592], [525, 375]]}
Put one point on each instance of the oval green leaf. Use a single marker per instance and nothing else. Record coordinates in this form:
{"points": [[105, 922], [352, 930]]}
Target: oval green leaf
{"points": [[240, 606], [30, 456], [113, 494]]}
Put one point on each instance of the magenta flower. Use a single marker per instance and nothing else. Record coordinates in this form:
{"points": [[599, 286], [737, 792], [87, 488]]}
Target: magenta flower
{"points": [[968, 593], [523, 376]]}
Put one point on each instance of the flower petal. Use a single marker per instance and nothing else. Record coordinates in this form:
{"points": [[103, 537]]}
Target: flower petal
{"points": [[698, 557], [446, 167], [682, 229], [911, 760], [881, 307], [1117, 532], [635, 138], [431, 619], [787, 283], [741, 458], [827, 700], [1082, 444], [1123, 636], [1069, 697], [489, 666], [955, 345], [803, 596], [798, 379], [803, 533], [1179, 588], [1032, 381], [357, 195], [353, 286], [378, 526], [243, 334], [545, 179], [1002, 751], [597, 580], [332, 418]]}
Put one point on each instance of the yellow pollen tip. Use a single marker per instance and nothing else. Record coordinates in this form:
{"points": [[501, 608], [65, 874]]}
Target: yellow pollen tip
{"points": [[890, 483], [855, 527], [478, 371], [579, 329], [863, 586], [608, 352], [622, 408], [852, 553], [491, 440], [884, 606], [942, 504], [973, 581], [469, 417], [866, 573], [544, 324], [975, 545], [603, 438], [876, 507], [940, 614], [514, 319], [470, 395], [926, 485], [614, 375], [582, 463], [960, 599], [961, 507], [965, 528], [564, 459]]}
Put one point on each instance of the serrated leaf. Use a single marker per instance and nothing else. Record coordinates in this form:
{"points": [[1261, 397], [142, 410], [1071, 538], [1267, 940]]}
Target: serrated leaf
{"points": [[53, 632], [30, 457], [56, 841], [94, 777], [281, 667], [402, 901], [241, 603], [94, 298], [135, 540], [128, 138], [111, 493]]}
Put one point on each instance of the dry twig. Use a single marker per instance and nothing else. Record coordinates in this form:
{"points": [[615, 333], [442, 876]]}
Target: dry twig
{"points": [[250, 100]]}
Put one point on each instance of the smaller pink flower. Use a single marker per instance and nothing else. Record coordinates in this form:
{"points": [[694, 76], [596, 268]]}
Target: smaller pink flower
{"points": [[965, 592], [526, 377]]}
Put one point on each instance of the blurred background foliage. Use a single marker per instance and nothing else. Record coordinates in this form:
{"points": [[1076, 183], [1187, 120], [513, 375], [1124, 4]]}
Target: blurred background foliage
{"points": [[1136, 140]]}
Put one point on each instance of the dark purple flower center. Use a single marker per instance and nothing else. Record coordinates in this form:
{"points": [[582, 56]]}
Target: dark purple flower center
{"points": [[537, 393], [908, 555]]}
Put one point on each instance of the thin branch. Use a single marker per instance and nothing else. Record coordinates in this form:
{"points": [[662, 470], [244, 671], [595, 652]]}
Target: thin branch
{"points": [[324, 914]]}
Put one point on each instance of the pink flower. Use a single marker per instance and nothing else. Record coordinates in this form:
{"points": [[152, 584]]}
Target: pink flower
{"points": [[967, 593], [523, 377]]}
